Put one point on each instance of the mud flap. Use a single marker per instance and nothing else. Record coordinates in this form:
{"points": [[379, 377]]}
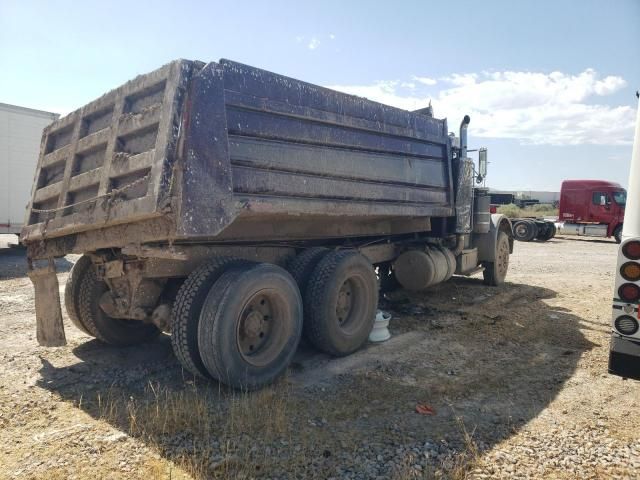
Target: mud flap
{"points": [[50, 329]]}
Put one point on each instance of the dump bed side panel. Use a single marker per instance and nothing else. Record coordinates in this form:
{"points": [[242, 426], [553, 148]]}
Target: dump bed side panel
{"points": [[111, 161], [260, 146], [292, 144]]}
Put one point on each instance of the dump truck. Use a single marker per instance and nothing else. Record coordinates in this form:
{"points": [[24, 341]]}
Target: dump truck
{"points": [[238, 209]]}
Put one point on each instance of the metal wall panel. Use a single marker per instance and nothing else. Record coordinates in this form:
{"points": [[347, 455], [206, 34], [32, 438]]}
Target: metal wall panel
{"points": [[20, 136]]}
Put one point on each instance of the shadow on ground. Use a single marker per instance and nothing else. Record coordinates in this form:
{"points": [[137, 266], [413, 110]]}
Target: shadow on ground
{"points": [[487, 360], [587, 239]]}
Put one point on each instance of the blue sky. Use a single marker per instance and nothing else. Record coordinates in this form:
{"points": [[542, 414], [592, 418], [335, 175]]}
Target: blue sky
{"points": [[549, 84]]}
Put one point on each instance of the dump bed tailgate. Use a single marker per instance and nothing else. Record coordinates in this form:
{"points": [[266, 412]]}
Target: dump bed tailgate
{"points": [[110, 161]]}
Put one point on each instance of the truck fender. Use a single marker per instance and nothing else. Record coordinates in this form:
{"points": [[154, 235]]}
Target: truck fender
{"points": [[486, 242]]}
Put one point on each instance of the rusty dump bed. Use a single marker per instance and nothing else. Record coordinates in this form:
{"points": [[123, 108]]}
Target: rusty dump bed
{"points": [[228, 152]]}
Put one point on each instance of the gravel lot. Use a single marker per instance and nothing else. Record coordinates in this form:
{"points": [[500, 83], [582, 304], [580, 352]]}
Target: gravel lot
{"points": [[516, 377]]}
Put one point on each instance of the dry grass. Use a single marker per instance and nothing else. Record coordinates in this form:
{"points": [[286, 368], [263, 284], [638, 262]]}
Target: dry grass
{"points": [[471, 456], [220, 435], [513, 211]]}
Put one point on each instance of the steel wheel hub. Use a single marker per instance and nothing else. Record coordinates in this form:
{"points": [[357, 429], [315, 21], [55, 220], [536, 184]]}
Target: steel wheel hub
{"points": [[503, 257], [255, 326], [343, 306]]}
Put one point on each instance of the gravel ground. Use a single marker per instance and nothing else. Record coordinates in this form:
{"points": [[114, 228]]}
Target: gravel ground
{"points": [[516, 377]]}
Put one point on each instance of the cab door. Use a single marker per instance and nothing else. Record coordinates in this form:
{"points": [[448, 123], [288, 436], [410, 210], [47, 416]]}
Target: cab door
{"points": [[600, 210]]}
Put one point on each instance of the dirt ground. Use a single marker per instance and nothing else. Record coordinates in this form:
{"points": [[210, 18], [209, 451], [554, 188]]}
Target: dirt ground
{"points": [[515, 375]]}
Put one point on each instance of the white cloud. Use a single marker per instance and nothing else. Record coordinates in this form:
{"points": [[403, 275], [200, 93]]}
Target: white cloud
{"points": [[535, 108], [384, 92], [609, 85], [313, 43], [332, 36], [425, 80], [461, 79]]}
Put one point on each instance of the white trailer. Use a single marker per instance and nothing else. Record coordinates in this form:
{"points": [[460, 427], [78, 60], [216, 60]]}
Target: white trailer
{"points": [[20, 136], [624, 356]]}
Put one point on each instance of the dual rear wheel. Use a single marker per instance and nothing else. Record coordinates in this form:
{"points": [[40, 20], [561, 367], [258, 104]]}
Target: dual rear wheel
{"points": [[240, 322]]}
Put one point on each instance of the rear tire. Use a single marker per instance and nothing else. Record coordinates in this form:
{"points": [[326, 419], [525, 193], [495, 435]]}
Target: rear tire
{"points": [[302, 265], [250, 325], [547, 232], [187, 309], [114, 331], [495, 272], [534, 225], [524, 230], [617, 234], [543, 231], [552, 229], [341, 303], [72, 292]]}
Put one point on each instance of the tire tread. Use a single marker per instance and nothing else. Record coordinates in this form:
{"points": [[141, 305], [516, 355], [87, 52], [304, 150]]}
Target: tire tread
{"points": [[302, 265], [110, 333], [71, 292], [191, 297], [319, 283]]}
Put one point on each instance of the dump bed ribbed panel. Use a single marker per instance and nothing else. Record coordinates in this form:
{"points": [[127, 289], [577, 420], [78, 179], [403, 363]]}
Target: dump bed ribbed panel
{"points": [[291, 139], [109, 161], [207, 152]]}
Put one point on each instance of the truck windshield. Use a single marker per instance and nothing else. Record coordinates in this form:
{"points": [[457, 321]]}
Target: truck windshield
{"points": [[620, 198]]}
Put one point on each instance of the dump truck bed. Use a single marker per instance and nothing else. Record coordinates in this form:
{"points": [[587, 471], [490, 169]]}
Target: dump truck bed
{"points": [[227, 152]]}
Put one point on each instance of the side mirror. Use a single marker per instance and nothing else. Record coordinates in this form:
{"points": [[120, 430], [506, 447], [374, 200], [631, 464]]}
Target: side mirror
{"points": [[482, 162]]}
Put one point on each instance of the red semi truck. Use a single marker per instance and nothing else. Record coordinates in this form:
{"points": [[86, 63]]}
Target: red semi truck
{"points": [[593, 208]]}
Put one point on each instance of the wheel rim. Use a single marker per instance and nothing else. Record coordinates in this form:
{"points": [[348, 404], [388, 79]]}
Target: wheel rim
{"points": [[502, 260], [260, 328], [521, 230], [350, 305]]}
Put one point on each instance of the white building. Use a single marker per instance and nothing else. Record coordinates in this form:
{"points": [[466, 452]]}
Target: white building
{"points": [[544, 197], [20, 136]]}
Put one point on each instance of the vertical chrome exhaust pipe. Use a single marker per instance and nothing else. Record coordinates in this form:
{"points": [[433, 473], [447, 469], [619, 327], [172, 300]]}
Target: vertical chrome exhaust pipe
{"points": [[463, 136]]}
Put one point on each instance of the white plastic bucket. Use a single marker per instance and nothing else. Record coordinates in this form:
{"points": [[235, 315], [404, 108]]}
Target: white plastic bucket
{"points": [[380, 332]]}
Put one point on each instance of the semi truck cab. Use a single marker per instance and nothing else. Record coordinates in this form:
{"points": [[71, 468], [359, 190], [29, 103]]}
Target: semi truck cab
{"points": [[592, 208]]}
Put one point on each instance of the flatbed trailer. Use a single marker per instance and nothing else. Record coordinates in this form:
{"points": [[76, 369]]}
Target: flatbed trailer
{"points": [[237, 208]]}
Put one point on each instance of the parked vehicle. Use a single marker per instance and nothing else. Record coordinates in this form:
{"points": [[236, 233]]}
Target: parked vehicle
{"points": [[502, 198], [528, 229], [593, 208], [624, 356], [225, 204], [510, 198], [20, 135]]}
